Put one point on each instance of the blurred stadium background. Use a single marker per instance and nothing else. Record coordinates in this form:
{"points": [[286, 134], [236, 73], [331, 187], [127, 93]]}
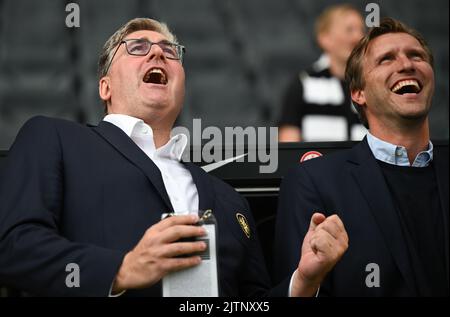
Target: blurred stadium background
{"points": [[240, 55]]}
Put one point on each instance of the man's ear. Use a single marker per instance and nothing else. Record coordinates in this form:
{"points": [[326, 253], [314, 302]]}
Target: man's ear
{"points": [[359, 97], [104, 88]]}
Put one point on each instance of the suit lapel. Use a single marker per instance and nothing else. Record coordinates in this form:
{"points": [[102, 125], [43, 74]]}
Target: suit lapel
{"points": [[370, 179], [440, 163], [204, 186], [122, 143]]}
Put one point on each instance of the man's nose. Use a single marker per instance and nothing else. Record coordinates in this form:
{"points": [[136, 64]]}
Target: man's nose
{"points": [[405, 63], [155, 52]]}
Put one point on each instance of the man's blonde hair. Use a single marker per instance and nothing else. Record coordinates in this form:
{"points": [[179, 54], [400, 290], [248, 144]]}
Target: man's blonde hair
{"points": [[131, 26], [325, 19]]}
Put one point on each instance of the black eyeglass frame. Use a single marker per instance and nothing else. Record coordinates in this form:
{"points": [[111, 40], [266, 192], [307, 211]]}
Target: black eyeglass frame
{"points": [[180, 49]]}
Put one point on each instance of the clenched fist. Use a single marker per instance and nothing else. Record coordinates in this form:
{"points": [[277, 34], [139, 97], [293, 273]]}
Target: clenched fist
{"points": [[324, 244]]}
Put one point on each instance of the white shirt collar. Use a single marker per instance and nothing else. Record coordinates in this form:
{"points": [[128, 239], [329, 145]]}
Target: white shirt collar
{"points": [[142, 134]]}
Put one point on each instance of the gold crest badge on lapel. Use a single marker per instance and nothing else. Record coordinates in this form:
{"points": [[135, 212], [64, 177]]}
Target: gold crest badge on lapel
{"points": [[244, 224]]}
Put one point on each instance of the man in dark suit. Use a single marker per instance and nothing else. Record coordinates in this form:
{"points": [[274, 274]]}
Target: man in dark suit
{"points": [[390, 190], [92, 197]]}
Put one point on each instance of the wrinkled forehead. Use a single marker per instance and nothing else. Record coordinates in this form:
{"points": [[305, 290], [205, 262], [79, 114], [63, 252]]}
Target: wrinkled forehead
{"points": [[392, 42], [152, 36]]}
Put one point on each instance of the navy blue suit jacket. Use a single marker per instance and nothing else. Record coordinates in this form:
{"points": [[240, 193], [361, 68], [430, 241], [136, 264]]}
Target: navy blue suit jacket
{"points": [[350, 183], [86, 195]]}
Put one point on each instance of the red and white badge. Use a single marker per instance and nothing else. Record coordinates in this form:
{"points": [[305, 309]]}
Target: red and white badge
{"points": [[310, 155]]}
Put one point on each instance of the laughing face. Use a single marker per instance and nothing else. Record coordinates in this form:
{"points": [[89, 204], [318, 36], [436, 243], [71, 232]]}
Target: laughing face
{"points": [[399, 80], [149, 87]]}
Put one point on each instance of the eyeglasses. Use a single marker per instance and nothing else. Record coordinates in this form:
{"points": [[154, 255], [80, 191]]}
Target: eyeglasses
{"points": [[141, 47]]}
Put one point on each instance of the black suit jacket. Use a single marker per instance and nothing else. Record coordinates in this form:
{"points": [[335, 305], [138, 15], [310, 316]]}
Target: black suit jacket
{"points": [[86, 195], [350, 183]]}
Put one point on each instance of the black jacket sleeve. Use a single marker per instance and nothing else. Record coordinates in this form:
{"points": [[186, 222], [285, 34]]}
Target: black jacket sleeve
{"points": [[34, 256]]}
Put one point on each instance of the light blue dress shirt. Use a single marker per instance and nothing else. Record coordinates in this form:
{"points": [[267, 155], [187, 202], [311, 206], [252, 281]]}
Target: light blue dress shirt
{"points": [[396, 154]]}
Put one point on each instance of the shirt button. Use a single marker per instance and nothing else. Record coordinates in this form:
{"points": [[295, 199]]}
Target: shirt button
{"points": [[398, 152], [144, 130]]}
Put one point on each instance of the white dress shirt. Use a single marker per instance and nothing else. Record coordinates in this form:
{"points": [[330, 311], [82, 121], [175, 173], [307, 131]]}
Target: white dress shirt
{"points": [[177, 179]]}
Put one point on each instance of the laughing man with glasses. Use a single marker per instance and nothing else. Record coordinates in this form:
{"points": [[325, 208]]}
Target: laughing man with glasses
{"points": [[92, 197]]}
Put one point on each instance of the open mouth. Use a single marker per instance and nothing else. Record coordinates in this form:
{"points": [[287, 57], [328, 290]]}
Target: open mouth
{"points": [[408, 86], [156, 76]]}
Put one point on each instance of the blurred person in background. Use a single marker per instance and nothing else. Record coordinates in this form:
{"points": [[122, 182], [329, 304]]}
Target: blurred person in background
{"points": [[317, 104]]}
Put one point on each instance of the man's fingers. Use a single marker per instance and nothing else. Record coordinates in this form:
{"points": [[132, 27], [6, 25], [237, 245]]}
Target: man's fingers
{"points": [[333, 226], [178, 232], [175, 220], [316, 219], [322, 243], [180, 248], [336, 220], [177, 264], [329, 236], [325, 243]]}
